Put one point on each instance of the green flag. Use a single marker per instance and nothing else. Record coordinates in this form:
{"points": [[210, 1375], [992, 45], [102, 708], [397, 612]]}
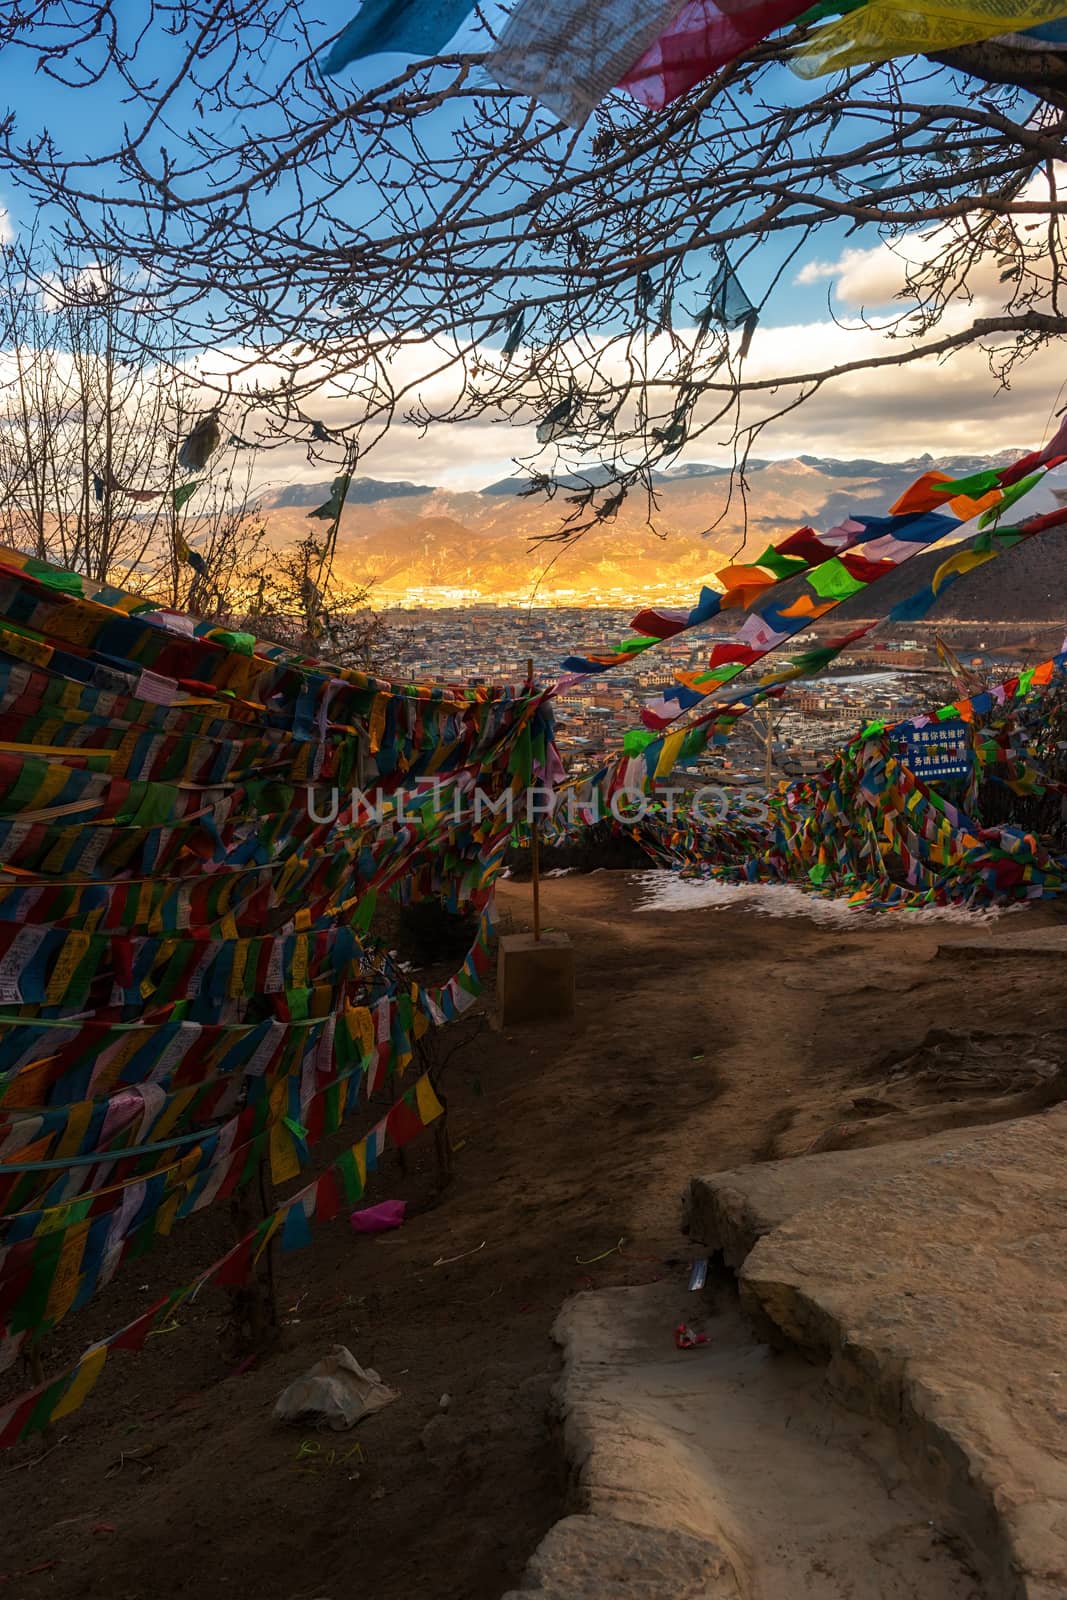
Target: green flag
{"points": [[184, 493]]}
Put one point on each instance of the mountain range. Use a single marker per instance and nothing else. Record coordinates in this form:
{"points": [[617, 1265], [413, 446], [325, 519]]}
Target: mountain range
{"points": [[426, 545]]}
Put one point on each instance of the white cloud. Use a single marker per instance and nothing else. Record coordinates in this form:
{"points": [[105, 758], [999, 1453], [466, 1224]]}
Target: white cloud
{"points": [[895, 413], [872, 277], [888, 414], [451, 455], [876, 277]]}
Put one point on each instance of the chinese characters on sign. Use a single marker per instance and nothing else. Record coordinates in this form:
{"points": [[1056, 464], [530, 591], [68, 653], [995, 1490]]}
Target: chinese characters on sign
{"points": [[943, 750]]}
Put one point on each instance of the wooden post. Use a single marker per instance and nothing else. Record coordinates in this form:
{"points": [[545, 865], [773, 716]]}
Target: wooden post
{"points": [[266, 1201], [37, 1373], [535, 846], [442, 1141], [535, 869], [253, 1323]]}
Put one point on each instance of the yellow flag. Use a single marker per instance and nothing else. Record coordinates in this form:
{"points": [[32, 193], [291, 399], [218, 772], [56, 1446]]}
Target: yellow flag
{"points": [[88, 1370], [360, 1027], [429, 1106], [283, 1158], [64, 1284], [965, 561], [882, 29], [71, 954], [672, 746], [379, 711]]}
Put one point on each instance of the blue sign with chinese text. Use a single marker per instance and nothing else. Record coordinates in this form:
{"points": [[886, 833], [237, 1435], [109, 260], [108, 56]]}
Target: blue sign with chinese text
{"points": [[941, 750]]}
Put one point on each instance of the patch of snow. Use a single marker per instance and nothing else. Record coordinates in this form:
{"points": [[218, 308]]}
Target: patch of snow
{"points": [[666, 891]]}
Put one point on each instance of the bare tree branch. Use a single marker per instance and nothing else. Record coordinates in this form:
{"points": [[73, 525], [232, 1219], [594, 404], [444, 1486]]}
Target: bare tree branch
{"points": [[434, 249]]}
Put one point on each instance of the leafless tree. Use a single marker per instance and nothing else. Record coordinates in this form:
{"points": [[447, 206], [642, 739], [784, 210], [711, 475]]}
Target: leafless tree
{"points": [[94, 402], [91, 404], [284, 600], [433, 247]]}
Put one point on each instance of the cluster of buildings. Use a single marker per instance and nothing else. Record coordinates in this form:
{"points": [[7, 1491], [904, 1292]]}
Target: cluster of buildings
{"points": [[876, 678]]}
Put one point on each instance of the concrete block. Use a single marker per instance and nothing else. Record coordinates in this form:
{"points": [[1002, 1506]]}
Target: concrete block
{"points": [[534, 977]]}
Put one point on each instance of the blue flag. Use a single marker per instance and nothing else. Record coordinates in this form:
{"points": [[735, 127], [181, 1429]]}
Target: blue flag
{"points": [[402, 27]]}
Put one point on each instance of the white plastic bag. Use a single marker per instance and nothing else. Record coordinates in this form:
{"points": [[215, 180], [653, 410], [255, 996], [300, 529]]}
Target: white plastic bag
{"points": [[336, 1392]]}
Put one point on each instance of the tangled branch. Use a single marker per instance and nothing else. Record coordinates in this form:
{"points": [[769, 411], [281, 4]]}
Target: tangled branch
{"points": [[433, 248]]}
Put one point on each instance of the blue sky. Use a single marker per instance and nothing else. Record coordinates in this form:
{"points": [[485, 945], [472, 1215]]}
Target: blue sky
{"points": [[89, 121]]}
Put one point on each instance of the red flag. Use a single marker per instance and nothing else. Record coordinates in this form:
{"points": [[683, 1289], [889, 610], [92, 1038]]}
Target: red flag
{"points": [[702, 38]]}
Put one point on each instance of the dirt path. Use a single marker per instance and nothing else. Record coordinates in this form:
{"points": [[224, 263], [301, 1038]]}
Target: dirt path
{"points": [[701, 1040]]}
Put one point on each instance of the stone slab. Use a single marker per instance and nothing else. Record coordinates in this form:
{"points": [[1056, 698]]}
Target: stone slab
{"points": [[535, 977], [722, 1472], [931, 1276], [730, 1210], [591, 1558]]}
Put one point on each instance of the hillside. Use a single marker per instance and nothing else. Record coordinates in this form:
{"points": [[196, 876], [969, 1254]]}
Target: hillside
{"points": [[432, 545], [1027, 585]]}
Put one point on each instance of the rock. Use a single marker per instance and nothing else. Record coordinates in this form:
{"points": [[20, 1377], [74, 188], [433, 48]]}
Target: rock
{"points": [[872, 1104], [721, 1472], [588, 1558], [930, 1276]]}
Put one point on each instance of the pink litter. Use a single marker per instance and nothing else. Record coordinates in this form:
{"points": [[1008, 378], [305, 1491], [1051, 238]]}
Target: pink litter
{"points": [[380, 1218]]}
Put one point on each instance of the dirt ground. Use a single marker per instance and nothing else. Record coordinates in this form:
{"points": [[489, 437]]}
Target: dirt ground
{"points": [[702, 1039]]}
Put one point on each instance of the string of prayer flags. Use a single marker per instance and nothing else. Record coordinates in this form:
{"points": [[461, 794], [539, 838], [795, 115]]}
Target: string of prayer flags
{"points": [[871, 829], [743, 585], [569, 54], [343, 1184], [644, 760], [191, 981], [831, 567], [827, 585], [987, 546]]}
